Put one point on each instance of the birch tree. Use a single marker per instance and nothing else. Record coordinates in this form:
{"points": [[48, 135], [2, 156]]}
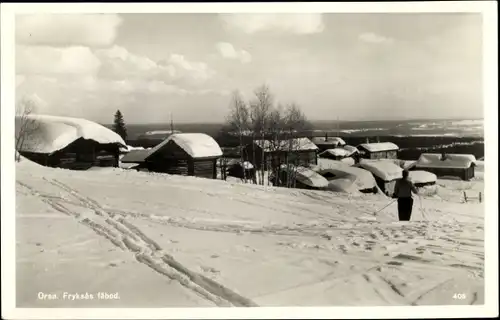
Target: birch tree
{"points": [[295, 122], [25, 124], [276, 133], [238, 121], [260, 108]]}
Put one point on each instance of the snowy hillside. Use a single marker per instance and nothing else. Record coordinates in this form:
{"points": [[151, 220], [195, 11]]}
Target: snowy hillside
{"points": [[171, 241]]}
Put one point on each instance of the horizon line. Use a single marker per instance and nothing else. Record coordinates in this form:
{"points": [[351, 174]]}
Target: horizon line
{"points": [[312, 121]]}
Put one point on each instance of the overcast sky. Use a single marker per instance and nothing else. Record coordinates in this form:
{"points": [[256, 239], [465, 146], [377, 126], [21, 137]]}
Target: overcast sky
{"points": [[351, 66]]}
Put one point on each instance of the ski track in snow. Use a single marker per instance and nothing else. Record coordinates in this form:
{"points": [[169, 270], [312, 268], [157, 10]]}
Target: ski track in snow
{"points": [[384, 249], [128, 237]]}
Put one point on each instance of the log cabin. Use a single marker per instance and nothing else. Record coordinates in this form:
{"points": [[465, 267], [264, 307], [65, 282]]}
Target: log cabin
{"points": [[379, 150], [69, 143], [187, 154], [268, 155], [326, 142], [454, 165]]}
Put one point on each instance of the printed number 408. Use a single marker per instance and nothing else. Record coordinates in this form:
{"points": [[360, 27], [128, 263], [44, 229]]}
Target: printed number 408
{"points": [[459, 296]]}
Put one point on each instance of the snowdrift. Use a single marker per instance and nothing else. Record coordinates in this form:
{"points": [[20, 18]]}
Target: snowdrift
{"points": [[193, 242], [345, 184], [345, 178], [307, 176], [48, 134], [348, 161], [385, 170]]}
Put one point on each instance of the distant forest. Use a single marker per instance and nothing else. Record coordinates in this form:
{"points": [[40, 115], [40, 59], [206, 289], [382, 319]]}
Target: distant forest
{"points": [[411, 146]]}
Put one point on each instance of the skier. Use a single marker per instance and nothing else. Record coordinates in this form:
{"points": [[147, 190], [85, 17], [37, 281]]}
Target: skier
{"points": [[402, 191]]}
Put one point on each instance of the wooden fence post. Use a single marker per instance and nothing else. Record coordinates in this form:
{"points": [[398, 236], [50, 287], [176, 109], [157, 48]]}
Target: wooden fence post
{"points": [[465, 196]]}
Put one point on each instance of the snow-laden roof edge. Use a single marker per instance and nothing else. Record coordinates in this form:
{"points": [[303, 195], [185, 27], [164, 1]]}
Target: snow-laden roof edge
{"points": [[385, 170], [196, 145], [379, 146], [48, 134], [337, 152], [328, 141], [452, 160]]}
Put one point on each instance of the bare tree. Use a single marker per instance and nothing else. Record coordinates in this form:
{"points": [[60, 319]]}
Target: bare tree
{"points": [[25, 124], [295, 123], [260, 109], [238, 121], [277, 122], [275, 126]]}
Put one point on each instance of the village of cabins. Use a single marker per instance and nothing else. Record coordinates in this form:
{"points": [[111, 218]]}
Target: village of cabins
{"points": [[325, 163]]}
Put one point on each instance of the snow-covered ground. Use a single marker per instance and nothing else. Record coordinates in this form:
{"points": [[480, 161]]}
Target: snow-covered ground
{"points": [[164, 241]]}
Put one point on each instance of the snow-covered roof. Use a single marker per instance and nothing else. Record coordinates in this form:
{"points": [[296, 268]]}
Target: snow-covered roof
{"points": [[336, 152], [130, 148], [379, 146], [135, 156], [308, 176], [419, 176], [237, 162], [434, 160], [297, 144], [385, 170], [197, 145], [328, 141], [350, 148], [362, 179], [48, 134]]}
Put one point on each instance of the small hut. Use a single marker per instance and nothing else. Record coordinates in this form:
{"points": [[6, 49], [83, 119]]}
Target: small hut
{"points": [[378, 150], [326, 142], [454, 165], [64, 142], [299, 151], [338, 153], [188, 154], [241, 170], [385, 172]]}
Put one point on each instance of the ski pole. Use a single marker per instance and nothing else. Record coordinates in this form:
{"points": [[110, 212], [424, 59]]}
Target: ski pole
{"points": [[384, 207], [422, 209]]}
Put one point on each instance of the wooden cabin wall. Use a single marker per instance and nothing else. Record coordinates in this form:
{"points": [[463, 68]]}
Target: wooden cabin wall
{"points": [[170, 159], [204, 168], [79, 155], [380, 155], [40, 158]]}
